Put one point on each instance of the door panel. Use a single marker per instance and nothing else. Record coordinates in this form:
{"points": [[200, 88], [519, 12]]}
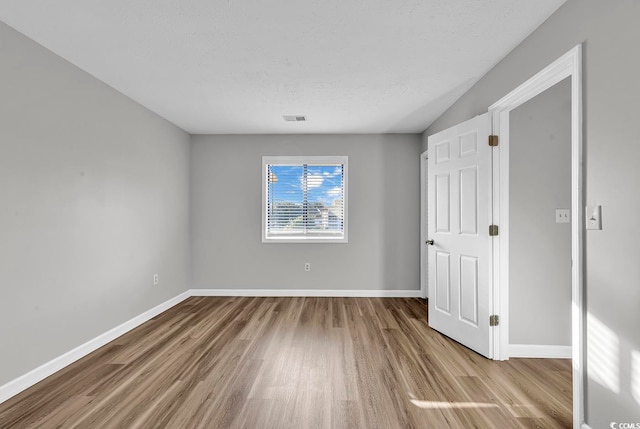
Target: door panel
{"points": [[459, 181], [443, 208], [468, 144], [469, 201], [469, 289], [442, 152], [442, 275]]}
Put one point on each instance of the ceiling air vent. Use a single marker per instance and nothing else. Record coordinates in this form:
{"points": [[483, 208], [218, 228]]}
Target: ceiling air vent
{"points": [[294, 118]]}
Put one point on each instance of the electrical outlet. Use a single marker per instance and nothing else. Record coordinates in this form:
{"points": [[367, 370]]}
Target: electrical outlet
{"points": [[156, 280], [307, 266]]}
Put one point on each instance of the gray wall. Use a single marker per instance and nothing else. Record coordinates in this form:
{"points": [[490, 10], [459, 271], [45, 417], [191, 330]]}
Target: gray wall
{"points": [[384, 215], [610, 33], [94, 192], [540, 248]]}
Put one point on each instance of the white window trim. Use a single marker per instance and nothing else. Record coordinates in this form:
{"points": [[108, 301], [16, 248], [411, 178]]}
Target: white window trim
{"points": [[298, 160]]}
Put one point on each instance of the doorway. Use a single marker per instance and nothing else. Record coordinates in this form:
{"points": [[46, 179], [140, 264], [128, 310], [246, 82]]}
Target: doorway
{"points": [[569, 67], [540, 225]]}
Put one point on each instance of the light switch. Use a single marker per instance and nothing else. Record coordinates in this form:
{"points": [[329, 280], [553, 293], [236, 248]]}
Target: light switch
{"points": [[563, 216], [593, 217]]}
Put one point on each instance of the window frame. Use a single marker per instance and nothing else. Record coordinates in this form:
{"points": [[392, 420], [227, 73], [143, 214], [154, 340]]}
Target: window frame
{"points": [[301, 160]]}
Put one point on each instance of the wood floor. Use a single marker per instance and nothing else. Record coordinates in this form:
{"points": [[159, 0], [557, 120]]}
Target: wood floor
{"points": [[294, 363]]}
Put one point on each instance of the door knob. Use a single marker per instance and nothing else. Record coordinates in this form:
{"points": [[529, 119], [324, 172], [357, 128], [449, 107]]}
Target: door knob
{"points": [[429, 242]]}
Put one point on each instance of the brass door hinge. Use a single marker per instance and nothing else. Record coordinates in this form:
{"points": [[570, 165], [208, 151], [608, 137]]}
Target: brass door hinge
{"points": [[494, 320], [493, 230], [493, 141]]}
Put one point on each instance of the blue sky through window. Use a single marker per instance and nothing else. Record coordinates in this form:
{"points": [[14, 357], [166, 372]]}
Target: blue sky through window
{"points": [[324, 183], [305, 200]]}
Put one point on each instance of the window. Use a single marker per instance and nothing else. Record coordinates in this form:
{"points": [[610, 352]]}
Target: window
{"points": [[304, 199]]}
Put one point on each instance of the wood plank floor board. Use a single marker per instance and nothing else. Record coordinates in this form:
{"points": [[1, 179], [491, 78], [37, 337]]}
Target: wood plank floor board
{"points": [[247, 362]]}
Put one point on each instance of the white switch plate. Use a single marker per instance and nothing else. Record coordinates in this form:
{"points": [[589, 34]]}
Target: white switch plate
{"points": [[593, 217], [563, 216]]}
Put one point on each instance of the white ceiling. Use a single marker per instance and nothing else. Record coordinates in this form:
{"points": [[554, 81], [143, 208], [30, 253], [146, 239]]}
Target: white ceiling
{"points": [[237, 66]]}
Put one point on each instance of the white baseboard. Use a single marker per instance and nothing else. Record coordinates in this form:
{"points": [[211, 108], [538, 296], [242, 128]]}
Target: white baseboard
{"points": [[585, 426], [27, 380], [536, 351], [352, 293]]}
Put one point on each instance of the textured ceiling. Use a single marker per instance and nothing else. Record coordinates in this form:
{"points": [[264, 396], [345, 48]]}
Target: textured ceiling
{"points": [[230, 66]]}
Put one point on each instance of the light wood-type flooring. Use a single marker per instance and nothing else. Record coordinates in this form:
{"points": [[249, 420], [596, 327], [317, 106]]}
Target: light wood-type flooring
{"points": [[294, 363]]}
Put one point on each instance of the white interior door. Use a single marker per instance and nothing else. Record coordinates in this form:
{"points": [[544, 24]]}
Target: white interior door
{"points": [[459, 207]]}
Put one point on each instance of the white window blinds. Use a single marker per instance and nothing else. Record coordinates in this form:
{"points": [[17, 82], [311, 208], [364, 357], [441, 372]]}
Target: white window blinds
{"points": [[305, 199]]}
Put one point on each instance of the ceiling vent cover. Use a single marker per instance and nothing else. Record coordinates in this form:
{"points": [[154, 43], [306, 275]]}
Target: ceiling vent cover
{"points": [[294, 118]]}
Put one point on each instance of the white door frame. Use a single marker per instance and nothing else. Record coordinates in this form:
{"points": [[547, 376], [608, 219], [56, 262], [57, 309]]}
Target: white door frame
{"points": [[568, 65], [424, 280]]}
